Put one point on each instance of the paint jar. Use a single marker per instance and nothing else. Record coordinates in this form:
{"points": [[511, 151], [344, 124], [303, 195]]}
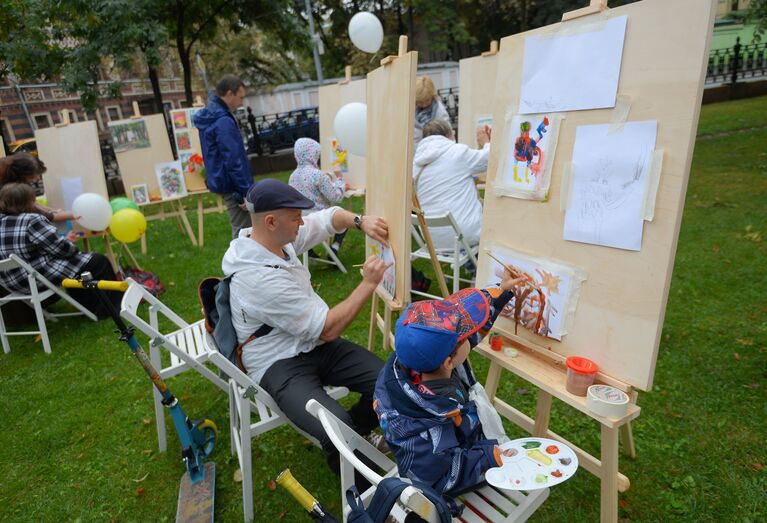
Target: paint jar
{"points": [[580, 374], [496, 342]]}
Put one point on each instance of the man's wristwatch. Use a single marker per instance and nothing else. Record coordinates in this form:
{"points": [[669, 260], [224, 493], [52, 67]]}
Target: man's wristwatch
{"points": [[358, 221]]}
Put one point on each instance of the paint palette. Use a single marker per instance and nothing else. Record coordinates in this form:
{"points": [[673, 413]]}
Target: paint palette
{"points": [[533, 463]]}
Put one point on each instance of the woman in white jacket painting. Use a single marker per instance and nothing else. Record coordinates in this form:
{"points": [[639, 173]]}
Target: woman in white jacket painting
{"points": [[443, 176]]}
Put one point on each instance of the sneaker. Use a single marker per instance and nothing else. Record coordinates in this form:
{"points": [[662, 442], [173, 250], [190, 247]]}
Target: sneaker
{"points": [[379, 442]]}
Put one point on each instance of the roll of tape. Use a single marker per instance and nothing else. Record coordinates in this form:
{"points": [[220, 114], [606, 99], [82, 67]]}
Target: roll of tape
{"points": [[607, 401]]}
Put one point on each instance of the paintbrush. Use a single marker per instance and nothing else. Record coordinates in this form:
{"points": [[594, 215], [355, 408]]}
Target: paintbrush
{"points": [[513, 270]]}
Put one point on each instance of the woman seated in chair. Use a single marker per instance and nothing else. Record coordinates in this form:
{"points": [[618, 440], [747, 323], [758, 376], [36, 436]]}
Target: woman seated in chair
{"points": [[325, 189], [30, 236], [443, 178], [29, 169]]}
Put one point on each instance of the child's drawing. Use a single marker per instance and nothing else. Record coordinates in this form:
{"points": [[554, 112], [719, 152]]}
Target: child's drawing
{"points": [[389, 282], [340, 156], [526, 170], [140, 193], [545, 302], [179, 120], [170, 179], [610, 172], [183, 141]]}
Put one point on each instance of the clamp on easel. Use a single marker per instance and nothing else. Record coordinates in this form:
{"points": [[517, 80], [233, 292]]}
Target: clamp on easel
{"points": [[596, 6], [493, 49], [136, 111], [347, 75], [198, 101], [402, 51]]}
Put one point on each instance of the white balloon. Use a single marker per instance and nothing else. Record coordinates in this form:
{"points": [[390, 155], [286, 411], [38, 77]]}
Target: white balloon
{"points": [[351, 127], [94, 211], [366, 32]]}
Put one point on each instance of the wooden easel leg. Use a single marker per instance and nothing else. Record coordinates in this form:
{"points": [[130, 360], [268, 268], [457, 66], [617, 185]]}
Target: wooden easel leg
{"points": [[130, 256], [609, 475], [542, 414], [200, 221], [143, 243], [373, 321], [386, 328], [110, 252], [185, 221], [493, 377], [627, 439]]}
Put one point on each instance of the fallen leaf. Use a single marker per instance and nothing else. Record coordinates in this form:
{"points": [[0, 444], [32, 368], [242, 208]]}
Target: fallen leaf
{"points": [[716, 249], [147, 421], [147, 452], [185, 397], [737, 356], [677, 415], [523, 391], [271, 484], [758, 467], [115, 518], [172, 283], [752, 386], [140, 491], [746, 342], [142, 479], [307, 443], [283, 514], [623, 503], [237, 476]]}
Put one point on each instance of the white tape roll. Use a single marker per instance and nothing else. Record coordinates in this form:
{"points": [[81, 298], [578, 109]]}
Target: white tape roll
{"points": [[607, 401]]}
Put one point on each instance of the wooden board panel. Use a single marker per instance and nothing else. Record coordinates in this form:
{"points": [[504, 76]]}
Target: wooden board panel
{"points": [[476, 90], [137, 165], [391, 113], [71, 152], [622, 304], [2, 148], [332, 98]]}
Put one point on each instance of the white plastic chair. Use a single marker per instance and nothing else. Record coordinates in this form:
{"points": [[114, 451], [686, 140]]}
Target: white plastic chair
{"points": [[246, 397], [185, 344], [483, 504], [456, 257], [333, 258], [34, 299]]}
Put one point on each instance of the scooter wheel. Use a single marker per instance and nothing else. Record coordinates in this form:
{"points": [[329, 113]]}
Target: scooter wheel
{"points": [[210, 434]]}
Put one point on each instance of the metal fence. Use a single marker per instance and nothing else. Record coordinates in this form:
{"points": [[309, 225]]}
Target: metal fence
{"points": [[739, 62]]}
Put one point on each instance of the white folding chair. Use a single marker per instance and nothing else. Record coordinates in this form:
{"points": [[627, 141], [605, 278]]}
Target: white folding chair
{"points": [[185, 344], [456, 257], [34, 299], [246, 397], [333, 258], [485, 503]]}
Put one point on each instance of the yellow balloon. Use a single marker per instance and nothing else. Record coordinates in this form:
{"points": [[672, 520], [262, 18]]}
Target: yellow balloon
{"points": [[127, 225]]}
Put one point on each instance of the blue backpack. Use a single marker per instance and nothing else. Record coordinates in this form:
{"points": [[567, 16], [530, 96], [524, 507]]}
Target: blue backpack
{"points": [[386, 495]]}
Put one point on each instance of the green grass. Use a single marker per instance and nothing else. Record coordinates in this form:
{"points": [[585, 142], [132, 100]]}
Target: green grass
{"points": [[80, 444]]}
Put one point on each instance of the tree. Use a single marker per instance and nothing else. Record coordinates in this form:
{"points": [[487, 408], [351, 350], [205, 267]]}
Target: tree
{"points": [[757, 12]]}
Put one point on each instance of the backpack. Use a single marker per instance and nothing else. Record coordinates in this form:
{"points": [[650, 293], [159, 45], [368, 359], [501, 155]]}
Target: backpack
{"points": [[214, 299], [386, 495], [149, 280]]}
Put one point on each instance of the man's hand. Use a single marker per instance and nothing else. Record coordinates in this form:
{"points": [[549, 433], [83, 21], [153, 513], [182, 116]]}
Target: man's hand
{"points": [[373, 270], [375, 227]]}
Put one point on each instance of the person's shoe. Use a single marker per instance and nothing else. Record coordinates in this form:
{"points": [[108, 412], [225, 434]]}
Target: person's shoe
{"points": [[334, 247], [379, 442]]}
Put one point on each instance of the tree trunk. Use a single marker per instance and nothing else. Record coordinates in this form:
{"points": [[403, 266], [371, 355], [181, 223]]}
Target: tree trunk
{"points": [[155, 80], [183, 54]]}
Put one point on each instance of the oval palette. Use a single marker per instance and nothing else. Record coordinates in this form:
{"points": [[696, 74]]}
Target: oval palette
{"points": [[533, 463]]}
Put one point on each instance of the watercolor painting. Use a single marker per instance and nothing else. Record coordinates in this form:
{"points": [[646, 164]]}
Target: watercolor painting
{"points": [[170, 178], [340, 156], [140, 193], [526, 169], [179, 120], [129, 135], [389, 282], [183, 141], [547, 300]]}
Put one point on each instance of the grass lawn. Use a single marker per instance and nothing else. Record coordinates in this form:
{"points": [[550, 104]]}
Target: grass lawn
{"points": [[80, 443]]}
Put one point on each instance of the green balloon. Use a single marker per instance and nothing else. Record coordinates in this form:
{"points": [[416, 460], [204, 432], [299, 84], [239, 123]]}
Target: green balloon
{"points": [[122, 203]]}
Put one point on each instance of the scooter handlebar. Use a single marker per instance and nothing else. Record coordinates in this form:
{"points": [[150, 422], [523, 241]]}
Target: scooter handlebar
{"points": [[104, 285]]}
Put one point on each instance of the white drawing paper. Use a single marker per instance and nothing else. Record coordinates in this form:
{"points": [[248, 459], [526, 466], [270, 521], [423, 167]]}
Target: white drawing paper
{"points": [[573, 71], [528, 155], [389, 282], [609, 177], [546, 310], [71, 188]]}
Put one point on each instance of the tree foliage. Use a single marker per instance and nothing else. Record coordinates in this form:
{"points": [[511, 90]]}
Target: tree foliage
{"points": [[757, 12]]}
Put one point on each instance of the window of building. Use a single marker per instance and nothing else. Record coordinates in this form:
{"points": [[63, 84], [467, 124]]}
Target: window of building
{"points": [[114, 112], [8, 133], [42, 120], [72, 116]]}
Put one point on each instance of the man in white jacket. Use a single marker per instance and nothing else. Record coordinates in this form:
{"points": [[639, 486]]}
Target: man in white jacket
{"points": [[303, 350], [443, 176]]}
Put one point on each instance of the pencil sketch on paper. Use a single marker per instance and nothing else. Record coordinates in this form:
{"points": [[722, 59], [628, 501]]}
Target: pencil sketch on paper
{"points": [[610, 172]]}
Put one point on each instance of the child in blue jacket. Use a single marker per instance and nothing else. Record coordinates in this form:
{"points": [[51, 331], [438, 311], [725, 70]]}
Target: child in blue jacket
{"points": [[422, 394]]}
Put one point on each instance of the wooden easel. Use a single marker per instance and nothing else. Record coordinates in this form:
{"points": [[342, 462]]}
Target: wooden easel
{"points": [[177, 208], [391, 104], [621, 335]]}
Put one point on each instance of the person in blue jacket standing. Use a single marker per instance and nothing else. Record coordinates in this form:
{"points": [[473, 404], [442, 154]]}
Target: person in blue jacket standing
{"points": [[226, 161]]}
